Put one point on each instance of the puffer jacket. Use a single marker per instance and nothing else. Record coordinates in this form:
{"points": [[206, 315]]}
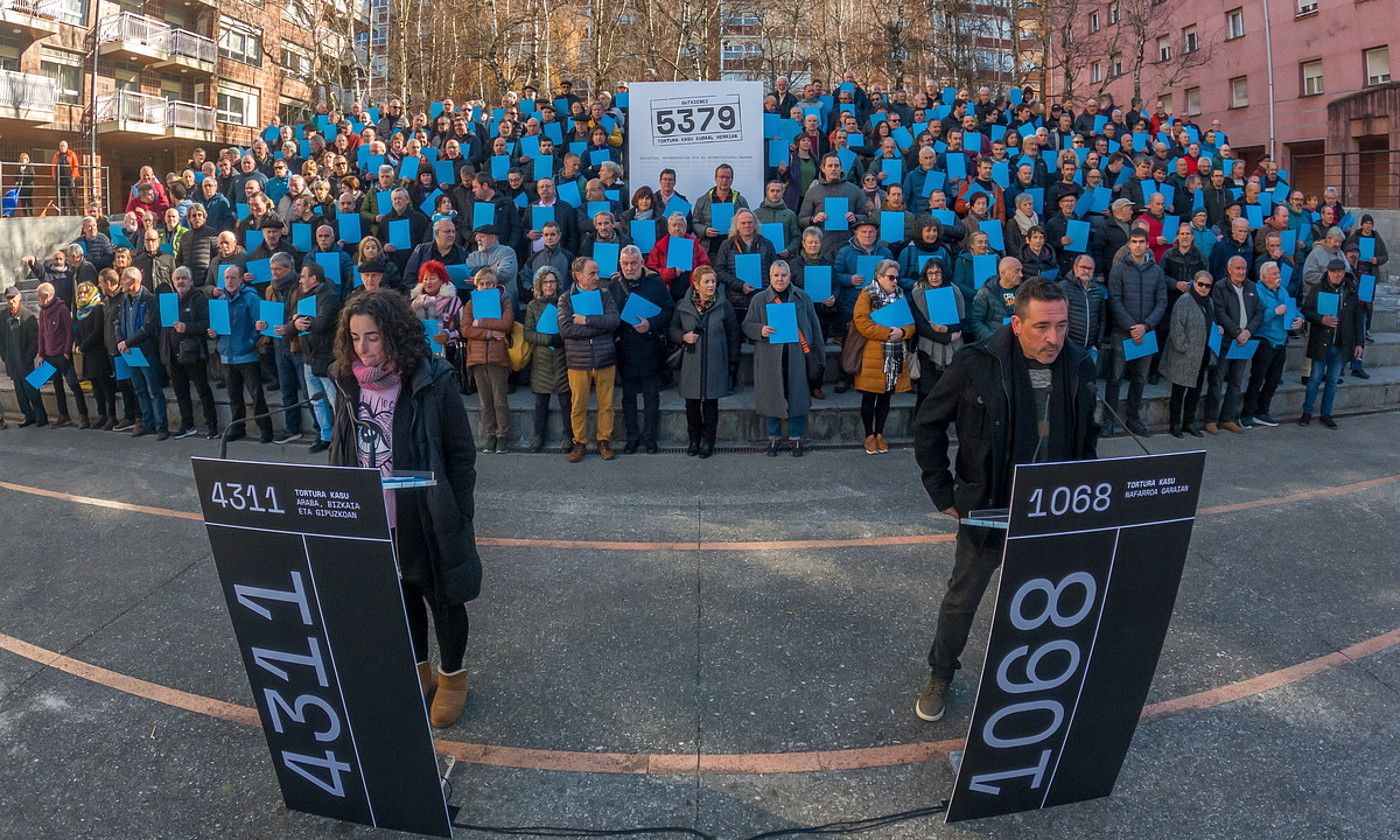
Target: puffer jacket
{"points": [[549, 372], [590, 346], [482, 347], [1137, 293]]}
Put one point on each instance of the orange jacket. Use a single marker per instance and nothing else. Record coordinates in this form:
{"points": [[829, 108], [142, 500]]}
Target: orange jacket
{"points": [[69, 159]]}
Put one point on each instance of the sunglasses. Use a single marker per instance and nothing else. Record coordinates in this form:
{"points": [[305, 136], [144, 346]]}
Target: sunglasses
{"points": [[1204, 285]]}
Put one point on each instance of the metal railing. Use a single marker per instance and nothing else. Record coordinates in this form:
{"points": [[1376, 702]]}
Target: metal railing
{"points": [[49, 9], [130, 27], [193, 45], [35, 189], [1369, 178], [130, 106], [26, 94], [189, 116]]}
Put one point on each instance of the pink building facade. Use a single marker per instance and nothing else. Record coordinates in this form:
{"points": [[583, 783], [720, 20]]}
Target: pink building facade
{"points": [[1307, 81]]}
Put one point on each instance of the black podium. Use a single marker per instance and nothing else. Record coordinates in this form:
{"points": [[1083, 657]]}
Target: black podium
{"points": [[307, 567], [1093, 558]]}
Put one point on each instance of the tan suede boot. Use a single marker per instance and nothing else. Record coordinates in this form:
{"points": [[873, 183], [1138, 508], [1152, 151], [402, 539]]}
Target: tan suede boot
{"points": [[427, 679], [450, 699]]}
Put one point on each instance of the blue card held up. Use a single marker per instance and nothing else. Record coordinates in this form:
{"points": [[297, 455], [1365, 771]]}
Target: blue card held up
{"points": [[1242, 351], [169, 309], [897, 314], [135, 358], [836, 208], [41, 374], [942, 306], [606, 254], [587, 303], [549, 320], [219, 317], [486, 303], [1327, 303], [1133, 350], [782, 317], [271, 312], [680, 253], [816, 282], [749, 269], [636, 308]]}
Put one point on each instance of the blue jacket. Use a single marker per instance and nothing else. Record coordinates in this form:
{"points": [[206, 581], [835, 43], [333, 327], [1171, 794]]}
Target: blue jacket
{"points": [[241, 345], [1274, 327], [220, 212]]}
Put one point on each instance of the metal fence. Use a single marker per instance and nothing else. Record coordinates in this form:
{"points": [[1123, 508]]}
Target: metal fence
{"points": [[1365, 178], [131, 106], [189, 116], [40, 188], [27, 96]]}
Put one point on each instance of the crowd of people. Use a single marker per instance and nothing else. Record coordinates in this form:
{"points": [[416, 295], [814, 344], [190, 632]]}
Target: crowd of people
{"points": [[896, 231]]}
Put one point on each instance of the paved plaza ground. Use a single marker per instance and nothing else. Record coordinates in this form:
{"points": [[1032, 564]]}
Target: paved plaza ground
{"points": [[731, 645]]}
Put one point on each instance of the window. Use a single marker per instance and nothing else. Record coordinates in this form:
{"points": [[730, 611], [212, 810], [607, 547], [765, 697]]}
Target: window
{"points": [[126, 76], [1096, 72], [1239, 92], [1234, 24], [1164, 48], [1167, 103], [1190, 41], [238, 105], [1312, 77], [65, 68], [1193, 101], [1113, 13], [1306, 7], [239, 41], [297, 63], [1094, 22], [1115, 65], [1377, 65]]}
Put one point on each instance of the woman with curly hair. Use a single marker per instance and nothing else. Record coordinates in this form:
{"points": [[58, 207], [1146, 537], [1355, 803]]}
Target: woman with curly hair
{"points": [[400, 410]]}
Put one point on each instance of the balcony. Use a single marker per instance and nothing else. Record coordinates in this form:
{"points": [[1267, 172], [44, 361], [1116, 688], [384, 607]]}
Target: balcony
{"points": [[131, 114], [188, 121], [27, 97], [135, 38], [189, 52], [29, 19]]}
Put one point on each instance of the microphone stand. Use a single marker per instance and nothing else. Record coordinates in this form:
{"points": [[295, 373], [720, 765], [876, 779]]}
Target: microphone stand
{"points": [[223, 436]]}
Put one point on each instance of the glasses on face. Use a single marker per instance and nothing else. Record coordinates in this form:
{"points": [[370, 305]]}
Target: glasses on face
{"points": [[1204, 285], [890, 276]]}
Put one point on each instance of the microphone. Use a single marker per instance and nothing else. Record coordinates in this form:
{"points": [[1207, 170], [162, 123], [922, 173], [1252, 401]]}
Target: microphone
{"points": [[223, 436], [1123, 425]]}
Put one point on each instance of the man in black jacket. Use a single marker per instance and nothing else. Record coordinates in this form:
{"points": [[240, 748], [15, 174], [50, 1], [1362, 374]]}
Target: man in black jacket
{"points": [[19, 346], [138, 329], [1137, 299], [641, 348], [1238, 312], [1025, 395]]}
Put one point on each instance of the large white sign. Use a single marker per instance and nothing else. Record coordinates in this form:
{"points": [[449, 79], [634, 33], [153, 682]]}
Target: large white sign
{"points": [[693, 127]]}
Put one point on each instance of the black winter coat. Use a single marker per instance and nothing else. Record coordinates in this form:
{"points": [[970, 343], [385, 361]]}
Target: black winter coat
{"points": [[91, 340], [975, 393], [1350, 329], [1137, 294], [192, 345], [642, 355], [431, 432]]}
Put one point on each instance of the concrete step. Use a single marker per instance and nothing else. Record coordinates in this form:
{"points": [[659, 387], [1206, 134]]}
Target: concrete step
{"points": [[833, 421]]}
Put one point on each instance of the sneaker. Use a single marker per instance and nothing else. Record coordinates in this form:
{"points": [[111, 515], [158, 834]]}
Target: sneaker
{"points": [[489, 446], [1266, 420], [502, 445], [319, 446], [126, 425], [286, 437], [236, 433], [1361, 374], [85, 423], [265, 437], [772, 451], [163, 434], [213, 433], [933, 699], [537, 445], [1135, 426], [633, 444], [871, 447], [798, 450], [1327, 421], [606, 451], [187, 431], [881, 445], [576, 453], [1247, 422], [1304, 419]]}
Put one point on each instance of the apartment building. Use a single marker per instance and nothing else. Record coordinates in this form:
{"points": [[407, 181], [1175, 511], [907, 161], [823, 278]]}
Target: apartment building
{"points": [[147, 81], [1307, 81]]}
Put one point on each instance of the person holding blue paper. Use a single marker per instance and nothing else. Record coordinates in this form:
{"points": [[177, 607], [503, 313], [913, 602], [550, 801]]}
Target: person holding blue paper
{"points": [[1187, 355], [591, 351], [853, 269], [1370, 247], [884, 360], [981, 183], [774, 211], [487, 320], [156, 267], [676, 255], [55, 347], [1238, 312], [833, 184], [785, 372], [605, 231], [1137, 299], [89, 339], [444, 248], [938, 329], [703, 213], [709, 335], [1336, 335], [333, 259], [1266, 367], [401, 229], [549, 369], [645, 213], [315, 305], [995, 302], [138, 328], [641, 346], [500, 259], [185, 351], [736, 256], [290, 380], [19, 346], [925, 246]]}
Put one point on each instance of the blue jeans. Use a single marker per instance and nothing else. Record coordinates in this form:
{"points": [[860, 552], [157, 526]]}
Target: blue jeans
{"points": [[797, 427], [289, 381], [322, 407], [1324, 374], [149, 396]]}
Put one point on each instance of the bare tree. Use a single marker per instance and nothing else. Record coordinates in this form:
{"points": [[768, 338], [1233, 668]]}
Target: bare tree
{"points": [[1141, 23]]}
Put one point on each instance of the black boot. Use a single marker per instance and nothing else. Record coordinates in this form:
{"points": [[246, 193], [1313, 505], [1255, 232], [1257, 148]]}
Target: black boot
{"points": [[694, 448], [707, 445]]}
